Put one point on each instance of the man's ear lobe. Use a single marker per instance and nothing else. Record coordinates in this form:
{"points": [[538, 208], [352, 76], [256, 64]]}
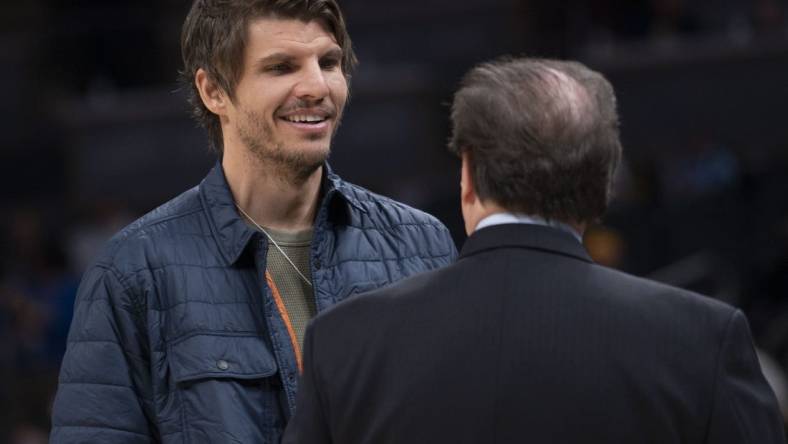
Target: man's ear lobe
{"points": [[212, 96]]}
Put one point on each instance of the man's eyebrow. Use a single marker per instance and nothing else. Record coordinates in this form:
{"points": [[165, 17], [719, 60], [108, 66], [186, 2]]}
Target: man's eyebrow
{"points": [[277, 57], [334, 52], [282, 57]]}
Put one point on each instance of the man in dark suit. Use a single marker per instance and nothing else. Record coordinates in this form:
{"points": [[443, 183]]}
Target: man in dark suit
{"points": [[524, 338]]}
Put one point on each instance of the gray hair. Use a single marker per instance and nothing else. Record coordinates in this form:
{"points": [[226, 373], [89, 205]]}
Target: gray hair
{"points": [[542, 136]]}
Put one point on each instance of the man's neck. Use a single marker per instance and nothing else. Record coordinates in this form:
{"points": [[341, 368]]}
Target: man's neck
{"points": [[505, 217], [480, 210], [270, 198]]}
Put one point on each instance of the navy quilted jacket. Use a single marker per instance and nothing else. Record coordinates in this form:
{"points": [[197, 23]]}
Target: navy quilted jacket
{"points": [[176, 335]]}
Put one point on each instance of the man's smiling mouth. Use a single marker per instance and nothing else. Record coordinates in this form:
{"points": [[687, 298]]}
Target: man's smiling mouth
{"points": [[305, 118]]}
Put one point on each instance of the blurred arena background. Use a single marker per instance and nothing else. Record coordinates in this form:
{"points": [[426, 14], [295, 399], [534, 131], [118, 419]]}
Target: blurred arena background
{"points": [[95, 133]]}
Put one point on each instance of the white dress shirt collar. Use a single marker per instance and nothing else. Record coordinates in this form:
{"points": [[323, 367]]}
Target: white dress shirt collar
{"points": [[515, 218]]}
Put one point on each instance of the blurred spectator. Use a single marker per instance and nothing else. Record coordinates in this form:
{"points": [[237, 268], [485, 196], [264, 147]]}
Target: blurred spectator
{"points": [[768, 16], [703, 168], [28, 434], [36, 303], [605, 245], [86, 238], [673, 17], [39, 291]]}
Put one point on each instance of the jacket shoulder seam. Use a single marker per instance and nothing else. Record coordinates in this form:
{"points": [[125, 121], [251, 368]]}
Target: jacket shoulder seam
{"points": [[160, 220]]}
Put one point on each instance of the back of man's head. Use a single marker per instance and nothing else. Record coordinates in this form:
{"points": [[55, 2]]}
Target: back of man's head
{"points": [[541, 137]]}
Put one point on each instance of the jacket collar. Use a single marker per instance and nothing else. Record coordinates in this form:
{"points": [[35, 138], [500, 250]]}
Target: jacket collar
{"points": [[528, 236], [232, 234]]}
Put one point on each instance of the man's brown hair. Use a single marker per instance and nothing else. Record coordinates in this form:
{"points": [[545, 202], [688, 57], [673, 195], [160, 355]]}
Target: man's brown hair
{"points": [[542, 137], [214, 38]]}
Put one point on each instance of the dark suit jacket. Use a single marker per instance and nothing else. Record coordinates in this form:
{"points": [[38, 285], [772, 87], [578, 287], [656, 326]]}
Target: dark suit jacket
{"points": [[525, 339]]}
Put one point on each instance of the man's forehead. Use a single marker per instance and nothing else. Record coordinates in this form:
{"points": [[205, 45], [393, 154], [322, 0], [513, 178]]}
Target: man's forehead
{"points": [[271, 30]]}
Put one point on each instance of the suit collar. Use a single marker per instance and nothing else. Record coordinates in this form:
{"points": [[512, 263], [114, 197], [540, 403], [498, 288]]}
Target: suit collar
{"points": [[232, 234], [535, 237]]}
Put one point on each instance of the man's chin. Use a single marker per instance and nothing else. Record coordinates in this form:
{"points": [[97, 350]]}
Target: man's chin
{"points": [[316, 155], [293, 161], [301, 164], [309, 165]]}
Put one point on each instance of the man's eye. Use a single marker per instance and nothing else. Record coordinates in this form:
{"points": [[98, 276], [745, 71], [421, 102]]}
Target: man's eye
{"points": [[329, 63], [278, 68]]}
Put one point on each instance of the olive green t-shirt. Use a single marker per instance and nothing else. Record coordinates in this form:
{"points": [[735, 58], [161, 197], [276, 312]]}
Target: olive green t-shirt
{"points": [[297, 297]]}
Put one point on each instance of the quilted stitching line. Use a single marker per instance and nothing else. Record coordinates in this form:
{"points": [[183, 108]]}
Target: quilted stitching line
{"points": [[115, 429]]}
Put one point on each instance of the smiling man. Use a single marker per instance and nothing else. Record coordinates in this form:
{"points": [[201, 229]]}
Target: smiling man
{"points": [[188, 327]]}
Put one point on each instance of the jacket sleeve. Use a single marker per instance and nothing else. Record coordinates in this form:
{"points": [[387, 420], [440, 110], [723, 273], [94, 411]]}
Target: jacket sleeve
{"points": [[449, 241], [308, 424], [104, 386], [745, 410]]}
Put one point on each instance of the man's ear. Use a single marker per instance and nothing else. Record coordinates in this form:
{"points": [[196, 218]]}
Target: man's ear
{"points": [[212, 95], [467, 188]]}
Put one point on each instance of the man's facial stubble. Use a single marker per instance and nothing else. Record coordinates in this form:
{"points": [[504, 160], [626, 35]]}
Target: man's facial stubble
{"points": [[292, 164]]}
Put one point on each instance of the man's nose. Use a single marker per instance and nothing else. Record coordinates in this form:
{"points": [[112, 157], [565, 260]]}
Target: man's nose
{"points": [[312, 84]]}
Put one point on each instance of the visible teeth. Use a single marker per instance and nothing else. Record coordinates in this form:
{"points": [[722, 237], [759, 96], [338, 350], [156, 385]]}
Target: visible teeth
{"points": [[305, 119]]}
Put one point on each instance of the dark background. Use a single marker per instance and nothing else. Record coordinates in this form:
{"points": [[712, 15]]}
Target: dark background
{"points": [[94, 133]]}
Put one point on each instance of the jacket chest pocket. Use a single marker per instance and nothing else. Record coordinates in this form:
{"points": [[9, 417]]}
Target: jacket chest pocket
{"points": [[228, 389]]}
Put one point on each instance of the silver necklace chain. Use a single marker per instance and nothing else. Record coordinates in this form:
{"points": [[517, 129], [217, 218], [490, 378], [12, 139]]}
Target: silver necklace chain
{"points": [[275, 244]]}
